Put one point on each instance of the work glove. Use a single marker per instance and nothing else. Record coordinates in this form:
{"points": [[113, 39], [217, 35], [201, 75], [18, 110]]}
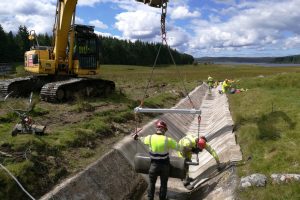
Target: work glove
{"points": [[196, 150], [135, 136]]}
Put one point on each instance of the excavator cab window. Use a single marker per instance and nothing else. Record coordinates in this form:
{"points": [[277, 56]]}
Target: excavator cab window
{"points": [[31, 60], [86, 47]]}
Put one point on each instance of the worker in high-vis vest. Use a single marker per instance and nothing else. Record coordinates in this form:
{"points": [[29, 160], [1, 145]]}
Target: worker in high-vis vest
{"points": [[159, 146], [192, 144], [225, 86], [210, 82]]}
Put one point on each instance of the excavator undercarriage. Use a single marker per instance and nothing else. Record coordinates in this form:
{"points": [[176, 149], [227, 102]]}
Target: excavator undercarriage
{"points": [[76, 87], [62, 89]]}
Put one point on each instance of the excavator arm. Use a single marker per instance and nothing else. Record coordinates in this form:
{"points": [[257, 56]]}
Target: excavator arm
{"points": [[65, 14]]}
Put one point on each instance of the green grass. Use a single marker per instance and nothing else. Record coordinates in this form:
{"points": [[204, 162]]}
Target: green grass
{"points": [[288, 191], [79, 132], [267, 117], [19, 68]]}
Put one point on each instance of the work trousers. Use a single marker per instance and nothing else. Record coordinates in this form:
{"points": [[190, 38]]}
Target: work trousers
{"points": [[162, 170], [186, 167]]}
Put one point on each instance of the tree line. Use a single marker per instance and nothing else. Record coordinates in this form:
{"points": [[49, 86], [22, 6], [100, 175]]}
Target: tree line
{"points": [[288, 59], [13, 46], [115, 51], [112, 50]]}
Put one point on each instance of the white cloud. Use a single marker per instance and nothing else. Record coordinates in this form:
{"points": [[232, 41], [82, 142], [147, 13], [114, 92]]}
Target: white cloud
{"points": [[104, 34], [27, 7], [39, 24], [182, 12], [120, 3], [256, 25], [88, 2], [98, 24], [292, 42], [178, 38], [214, 19], [138, 24], [225, 1], [79, 20], [37, 15]]}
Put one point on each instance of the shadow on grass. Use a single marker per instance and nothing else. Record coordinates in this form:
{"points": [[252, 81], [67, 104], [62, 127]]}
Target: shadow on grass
{"points": [[267, 125], [270, 126], [118, 97]]}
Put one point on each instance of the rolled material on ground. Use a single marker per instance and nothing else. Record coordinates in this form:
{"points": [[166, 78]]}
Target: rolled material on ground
{"points": [[177, 166]]}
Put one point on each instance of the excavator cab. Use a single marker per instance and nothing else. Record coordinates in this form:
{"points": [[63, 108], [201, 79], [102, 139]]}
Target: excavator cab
{"points": [[85, 55], [86, 48]]}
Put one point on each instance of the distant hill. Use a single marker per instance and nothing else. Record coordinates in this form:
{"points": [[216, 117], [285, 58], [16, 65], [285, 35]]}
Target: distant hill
{"points": [[285, 59]]}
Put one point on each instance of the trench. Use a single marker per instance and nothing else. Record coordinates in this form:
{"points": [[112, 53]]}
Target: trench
{"points": [[113, 177]]}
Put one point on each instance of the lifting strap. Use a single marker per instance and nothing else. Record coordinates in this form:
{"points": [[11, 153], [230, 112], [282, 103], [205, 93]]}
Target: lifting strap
{"points": [[182, 111], [164, 41]]}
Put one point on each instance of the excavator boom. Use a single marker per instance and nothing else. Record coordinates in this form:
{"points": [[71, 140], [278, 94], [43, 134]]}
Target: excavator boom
{"points": [[65, 11]]}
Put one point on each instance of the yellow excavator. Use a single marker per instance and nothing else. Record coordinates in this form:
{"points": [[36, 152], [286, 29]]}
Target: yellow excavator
{"points": [[65, 70]]}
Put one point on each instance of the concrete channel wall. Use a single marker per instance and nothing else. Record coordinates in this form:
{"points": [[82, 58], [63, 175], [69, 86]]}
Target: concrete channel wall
{"points": [[217, 126], [112, 177]]}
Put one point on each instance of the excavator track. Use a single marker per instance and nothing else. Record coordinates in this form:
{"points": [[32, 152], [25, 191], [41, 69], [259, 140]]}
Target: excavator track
{"points": [[58, 91], [66, 90], [21, 86]]}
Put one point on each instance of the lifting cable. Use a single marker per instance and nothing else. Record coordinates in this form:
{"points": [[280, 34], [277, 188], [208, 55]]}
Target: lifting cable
{"points": [[16, 180], [164, 41]]}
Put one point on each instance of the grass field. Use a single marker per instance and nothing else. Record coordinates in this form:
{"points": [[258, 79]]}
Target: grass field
{"points": [[79, 132], [267, 118]]}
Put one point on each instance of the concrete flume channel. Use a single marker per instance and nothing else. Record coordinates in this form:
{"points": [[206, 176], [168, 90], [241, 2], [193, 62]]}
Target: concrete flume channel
{"points": [[112, 177]]}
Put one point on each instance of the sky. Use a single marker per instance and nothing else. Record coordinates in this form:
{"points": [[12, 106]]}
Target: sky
{"points": [[252, 28]]}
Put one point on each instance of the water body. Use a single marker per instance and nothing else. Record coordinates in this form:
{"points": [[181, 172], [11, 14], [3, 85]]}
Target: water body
{"points": [[261, 64]]}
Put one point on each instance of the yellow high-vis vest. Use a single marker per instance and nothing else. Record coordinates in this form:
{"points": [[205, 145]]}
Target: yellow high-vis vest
{"points": [[159, 146]]}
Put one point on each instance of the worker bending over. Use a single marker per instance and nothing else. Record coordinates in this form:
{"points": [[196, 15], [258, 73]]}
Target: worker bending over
{"points": [[192, 144], [159, 146]]}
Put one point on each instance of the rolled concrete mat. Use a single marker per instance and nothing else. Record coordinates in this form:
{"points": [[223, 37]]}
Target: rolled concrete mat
{"points": [[177, 168]]}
